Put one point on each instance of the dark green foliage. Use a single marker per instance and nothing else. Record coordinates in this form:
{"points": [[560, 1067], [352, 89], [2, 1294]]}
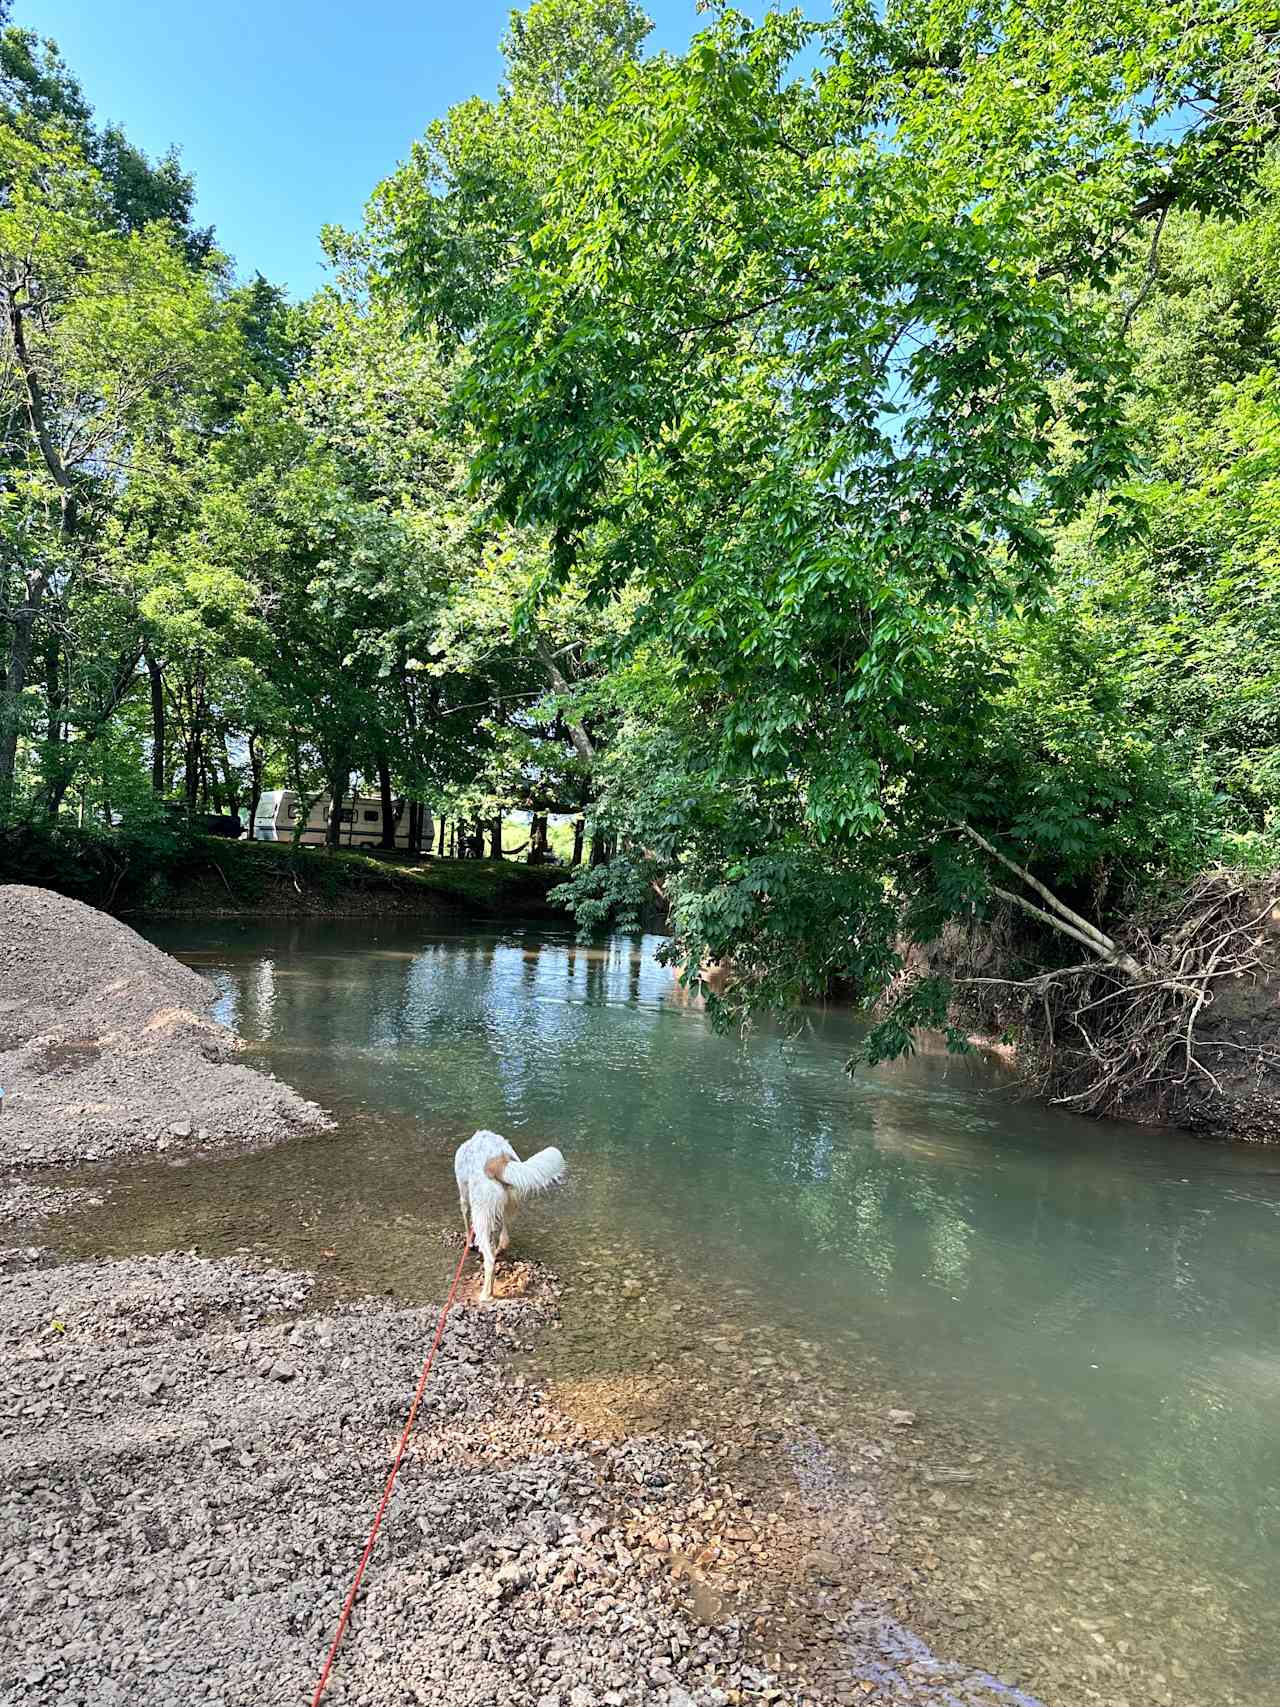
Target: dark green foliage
{"points": [[161, 865]]}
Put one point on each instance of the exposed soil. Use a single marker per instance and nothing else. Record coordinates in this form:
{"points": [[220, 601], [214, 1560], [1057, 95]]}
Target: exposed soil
{"points": [[107, 1048], [1217, 1073]]}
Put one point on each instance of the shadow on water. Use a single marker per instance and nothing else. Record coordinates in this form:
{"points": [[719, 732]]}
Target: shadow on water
{"points": [[1092, 1307]]}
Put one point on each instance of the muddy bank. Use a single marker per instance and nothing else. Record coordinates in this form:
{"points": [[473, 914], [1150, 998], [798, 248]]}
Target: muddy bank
{"points": [[187, 1470], [107, 1049], [264, 880], [1190, 1039]]}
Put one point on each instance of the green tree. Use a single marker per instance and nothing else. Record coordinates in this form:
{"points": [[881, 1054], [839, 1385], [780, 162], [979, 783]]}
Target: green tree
{"points": [[818, 368], [37, 89], [107, 337]]}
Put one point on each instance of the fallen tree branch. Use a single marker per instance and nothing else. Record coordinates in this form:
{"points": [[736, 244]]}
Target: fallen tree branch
{"points": [[222, 874], [1085, 931], [1109, 955]]}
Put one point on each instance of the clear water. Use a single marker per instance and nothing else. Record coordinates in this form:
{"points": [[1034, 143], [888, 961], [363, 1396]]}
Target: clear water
{"points": [[1086, 1315]]}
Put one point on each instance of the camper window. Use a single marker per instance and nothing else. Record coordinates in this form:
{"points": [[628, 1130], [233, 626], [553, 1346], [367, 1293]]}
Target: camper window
{"points": [[370, 817], [346, 816]]}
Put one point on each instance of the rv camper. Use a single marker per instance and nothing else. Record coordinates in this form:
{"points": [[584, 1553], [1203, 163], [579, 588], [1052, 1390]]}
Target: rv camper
{"points": [[359, 821]]}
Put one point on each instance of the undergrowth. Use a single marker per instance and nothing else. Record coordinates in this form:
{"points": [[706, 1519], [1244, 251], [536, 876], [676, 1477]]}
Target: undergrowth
{"points": [[160, 868]]}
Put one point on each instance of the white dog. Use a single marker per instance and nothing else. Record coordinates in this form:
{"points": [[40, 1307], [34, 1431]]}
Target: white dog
{"points": [[492, 1180]]}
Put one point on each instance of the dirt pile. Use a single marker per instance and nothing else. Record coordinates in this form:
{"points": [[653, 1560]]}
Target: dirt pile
{"points": [[107, 1048]]}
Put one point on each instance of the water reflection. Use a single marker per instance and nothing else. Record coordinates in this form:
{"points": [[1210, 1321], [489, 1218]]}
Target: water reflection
{"points": [[1101, 1296]]}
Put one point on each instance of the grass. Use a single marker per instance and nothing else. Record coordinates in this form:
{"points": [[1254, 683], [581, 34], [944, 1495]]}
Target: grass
{"points": [[168, 871]]}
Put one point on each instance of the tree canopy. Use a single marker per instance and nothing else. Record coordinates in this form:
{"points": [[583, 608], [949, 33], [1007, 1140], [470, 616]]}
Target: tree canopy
{"points": [[834, 375], [838, 459]]}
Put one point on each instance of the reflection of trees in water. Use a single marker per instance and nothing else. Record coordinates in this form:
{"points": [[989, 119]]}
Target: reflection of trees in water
{"points": [[901, 1187]]}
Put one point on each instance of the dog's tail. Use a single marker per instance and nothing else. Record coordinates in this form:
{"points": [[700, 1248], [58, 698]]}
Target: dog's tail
{"points": [[526, 1178]]}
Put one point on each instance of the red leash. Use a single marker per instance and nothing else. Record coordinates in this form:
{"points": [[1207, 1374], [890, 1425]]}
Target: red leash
{"points": [[391, 1479]]}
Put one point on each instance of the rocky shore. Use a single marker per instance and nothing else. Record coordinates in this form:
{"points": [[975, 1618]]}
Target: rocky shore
{"points": [[191, 1448], [190, 1453], [188, 1466]]}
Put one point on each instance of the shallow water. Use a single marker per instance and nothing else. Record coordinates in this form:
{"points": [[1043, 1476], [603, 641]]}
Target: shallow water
{"points": [[1087, 1313]]}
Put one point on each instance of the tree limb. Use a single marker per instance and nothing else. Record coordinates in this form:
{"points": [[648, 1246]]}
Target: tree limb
{"points": [[582, 742], [1076, 926]]}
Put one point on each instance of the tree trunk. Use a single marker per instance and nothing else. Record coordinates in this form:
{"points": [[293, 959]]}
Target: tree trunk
{"points": [[495, 836], [579, 830], [388, 840], [599, 847], [191, 772], [338, 783], [255, 780], [15, 680], [37, 580], [538, 839], [155, 675], [63, 759], [231, 783], [440, 843], [55, 770], [55, 792], [582, 742]]}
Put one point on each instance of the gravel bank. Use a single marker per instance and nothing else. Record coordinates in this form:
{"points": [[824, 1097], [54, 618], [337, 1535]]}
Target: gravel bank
{"points": [[107, 1048], [188, 1468], [189, 1456]]}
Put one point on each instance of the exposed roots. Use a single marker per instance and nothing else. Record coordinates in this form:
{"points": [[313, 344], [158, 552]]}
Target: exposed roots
{"points": [[1139, 1037]]}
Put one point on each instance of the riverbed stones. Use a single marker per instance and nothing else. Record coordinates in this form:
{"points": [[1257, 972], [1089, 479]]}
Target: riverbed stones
{"points": [[174, 1532]]}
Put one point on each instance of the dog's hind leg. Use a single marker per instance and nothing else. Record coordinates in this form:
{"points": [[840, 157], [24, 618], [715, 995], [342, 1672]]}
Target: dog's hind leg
{"points": [[464, 1199], [484, 1231]]}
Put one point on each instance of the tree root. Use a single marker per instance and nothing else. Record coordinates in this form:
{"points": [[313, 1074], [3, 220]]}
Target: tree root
{"points": [[1125, 1033]]}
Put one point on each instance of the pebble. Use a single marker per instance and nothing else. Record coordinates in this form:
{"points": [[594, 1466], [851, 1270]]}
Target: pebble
{"points": [[204, 1558]]}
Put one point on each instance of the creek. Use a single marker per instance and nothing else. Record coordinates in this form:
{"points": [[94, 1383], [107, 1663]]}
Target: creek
{"points": [[1083, 1317]]}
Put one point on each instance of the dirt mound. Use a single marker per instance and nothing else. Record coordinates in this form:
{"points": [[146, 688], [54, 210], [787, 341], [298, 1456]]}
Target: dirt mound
{"points": [[106, 1046]]}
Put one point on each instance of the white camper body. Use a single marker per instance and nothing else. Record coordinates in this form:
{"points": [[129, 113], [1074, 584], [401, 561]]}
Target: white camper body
{"points": [[359, 826]]}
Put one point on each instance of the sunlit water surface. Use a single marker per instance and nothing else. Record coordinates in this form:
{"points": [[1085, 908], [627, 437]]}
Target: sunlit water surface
{"points": [[1092, 1308]]}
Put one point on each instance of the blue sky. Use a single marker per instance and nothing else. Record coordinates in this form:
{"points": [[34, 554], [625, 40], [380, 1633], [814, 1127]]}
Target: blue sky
{"points": [[287, 111]]}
